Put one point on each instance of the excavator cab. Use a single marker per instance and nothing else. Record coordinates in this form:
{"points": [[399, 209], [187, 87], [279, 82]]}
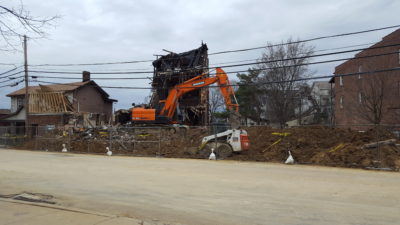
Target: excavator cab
{"points": [[143, 115]]}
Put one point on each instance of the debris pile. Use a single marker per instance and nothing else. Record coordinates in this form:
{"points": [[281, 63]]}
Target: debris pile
{"points": [[322, 146], [308, 145]]}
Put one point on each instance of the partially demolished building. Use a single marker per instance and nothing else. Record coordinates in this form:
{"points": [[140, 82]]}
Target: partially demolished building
{"points": [[78, 104], [173, 69]]}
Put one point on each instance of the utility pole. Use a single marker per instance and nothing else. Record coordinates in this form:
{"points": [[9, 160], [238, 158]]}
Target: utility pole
{"points": [[26, 104]]}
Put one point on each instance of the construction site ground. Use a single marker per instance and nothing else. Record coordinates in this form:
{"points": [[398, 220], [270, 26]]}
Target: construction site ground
{"points": [[308, 145], [192, 191]]}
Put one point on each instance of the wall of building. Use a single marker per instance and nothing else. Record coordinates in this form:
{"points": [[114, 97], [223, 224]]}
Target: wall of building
{"points": [[16, 101], [18, 117], [43, 120], [349, 90], [90, 100]]}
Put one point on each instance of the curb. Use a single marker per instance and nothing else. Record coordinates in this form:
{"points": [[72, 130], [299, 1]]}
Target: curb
{"points": [[70, 209]]}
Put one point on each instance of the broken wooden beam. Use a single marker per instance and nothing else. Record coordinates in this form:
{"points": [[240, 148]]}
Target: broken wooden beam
{"points": [[379, 143]]}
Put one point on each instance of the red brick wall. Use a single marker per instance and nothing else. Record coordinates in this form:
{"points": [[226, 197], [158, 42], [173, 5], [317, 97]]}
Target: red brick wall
{"points": [[42, 120], [351, 113]]}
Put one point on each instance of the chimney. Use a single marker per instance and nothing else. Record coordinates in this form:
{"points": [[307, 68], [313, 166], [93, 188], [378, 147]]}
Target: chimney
{"points": [[85, 76]]}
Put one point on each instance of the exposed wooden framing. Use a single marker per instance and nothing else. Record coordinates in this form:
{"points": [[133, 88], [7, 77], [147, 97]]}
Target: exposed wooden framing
{"points": [[49, 102], [64, 104]]}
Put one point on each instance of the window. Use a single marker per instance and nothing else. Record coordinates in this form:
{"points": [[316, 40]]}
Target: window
{"points": [[50, 127], [341, 80], [359, 97], [341, 102], [20, 102], [359, 70]]}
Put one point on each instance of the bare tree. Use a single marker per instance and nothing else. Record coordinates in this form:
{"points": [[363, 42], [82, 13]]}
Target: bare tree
{"points": [[281, 82], [216, 100], [372, 90], [16, 22], [376, 94]]}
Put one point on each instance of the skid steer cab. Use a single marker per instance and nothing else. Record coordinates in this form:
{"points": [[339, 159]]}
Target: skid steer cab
{"points": [[225, 143]]}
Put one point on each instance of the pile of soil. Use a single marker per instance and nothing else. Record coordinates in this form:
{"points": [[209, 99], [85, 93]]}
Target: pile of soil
{"points": [[308, 145], [322, 146]]}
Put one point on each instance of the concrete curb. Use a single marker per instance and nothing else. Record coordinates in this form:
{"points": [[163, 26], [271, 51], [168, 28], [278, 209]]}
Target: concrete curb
{"points": [[70, 209]]}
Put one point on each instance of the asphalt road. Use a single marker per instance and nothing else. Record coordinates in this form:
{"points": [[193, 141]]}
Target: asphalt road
{"points": [[205, 192]]}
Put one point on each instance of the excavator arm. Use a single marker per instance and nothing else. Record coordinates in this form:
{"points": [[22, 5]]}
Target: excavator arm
{"points": [[226, 90], [198, 82], [141, 114]]}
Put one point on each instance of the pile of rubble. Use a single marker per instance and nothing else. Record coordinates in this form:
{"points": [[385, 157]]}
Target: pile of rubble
{"points": [[308, 145], [323, 146]]}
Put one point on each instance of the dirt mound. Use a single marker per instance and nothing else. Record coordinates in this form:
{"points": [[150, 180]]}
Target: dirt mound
{"points": [[320, 145], [308, 145]]}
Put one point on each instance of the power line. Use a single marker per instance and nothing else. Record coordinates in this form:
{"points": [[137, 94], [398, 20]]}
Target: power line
{"points": [[103, 70], [7, 64], [96, 78], [238, 65], [287, 66], [224, 52], [14, 84], [9, 75], [314, 63], [223, 63], [254, 84], [94, 64], [306, 40], [8, 71], [320, 50], [67, 72], [220, 63], [11, 79], [312, 56]]}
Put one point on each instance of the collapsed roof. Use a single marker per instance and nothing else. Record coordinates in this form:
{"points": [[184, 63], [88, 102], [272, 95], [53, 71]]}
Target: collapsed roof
{"points": [[173, 69], [194, 59], [67, 87]]}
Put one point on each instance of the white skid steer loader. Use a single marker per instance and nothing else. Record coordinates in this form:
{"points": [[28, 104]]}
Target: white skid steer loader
{"points": [[224, 143]]}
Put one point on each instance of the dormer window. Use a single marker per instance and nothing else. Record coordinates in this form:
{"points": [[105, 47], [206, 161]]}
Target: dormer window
{"points": [[20, 102]]}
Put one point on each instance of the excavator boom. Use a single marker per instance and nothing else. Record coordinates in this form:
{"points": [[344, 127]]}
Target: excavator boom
{"points": [[170, 104]]}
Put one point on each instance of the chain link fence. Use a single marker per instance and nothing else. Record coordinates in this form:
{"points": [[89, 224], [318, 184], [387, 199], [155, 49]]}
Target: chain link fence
{"points": [[360, 146]]}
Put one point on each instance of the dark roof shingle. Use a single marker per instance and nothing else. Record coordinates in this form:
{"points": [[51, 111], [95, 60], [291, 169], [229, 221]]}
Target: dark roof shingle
{"points": [[55, 87]]}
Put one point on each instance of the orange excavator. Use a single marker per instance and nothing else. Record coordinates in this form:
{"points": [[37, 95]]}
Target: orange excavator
{"points": [[223, 144], [167, 113]]}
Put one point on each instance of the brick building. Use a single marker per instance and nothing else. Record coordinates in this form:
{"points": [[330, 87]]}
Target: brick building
{"points": [[77, 104], [369, 97]]}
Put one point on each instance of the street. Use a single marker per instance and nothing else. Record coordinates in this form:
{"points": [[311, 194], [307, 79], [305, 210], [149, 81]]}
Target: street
{"points": [[205, 192]]}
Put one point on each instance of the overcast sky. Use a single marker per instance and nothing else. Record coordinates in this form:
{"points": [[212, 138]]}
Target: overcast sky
{"points": [[122, 30]]}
